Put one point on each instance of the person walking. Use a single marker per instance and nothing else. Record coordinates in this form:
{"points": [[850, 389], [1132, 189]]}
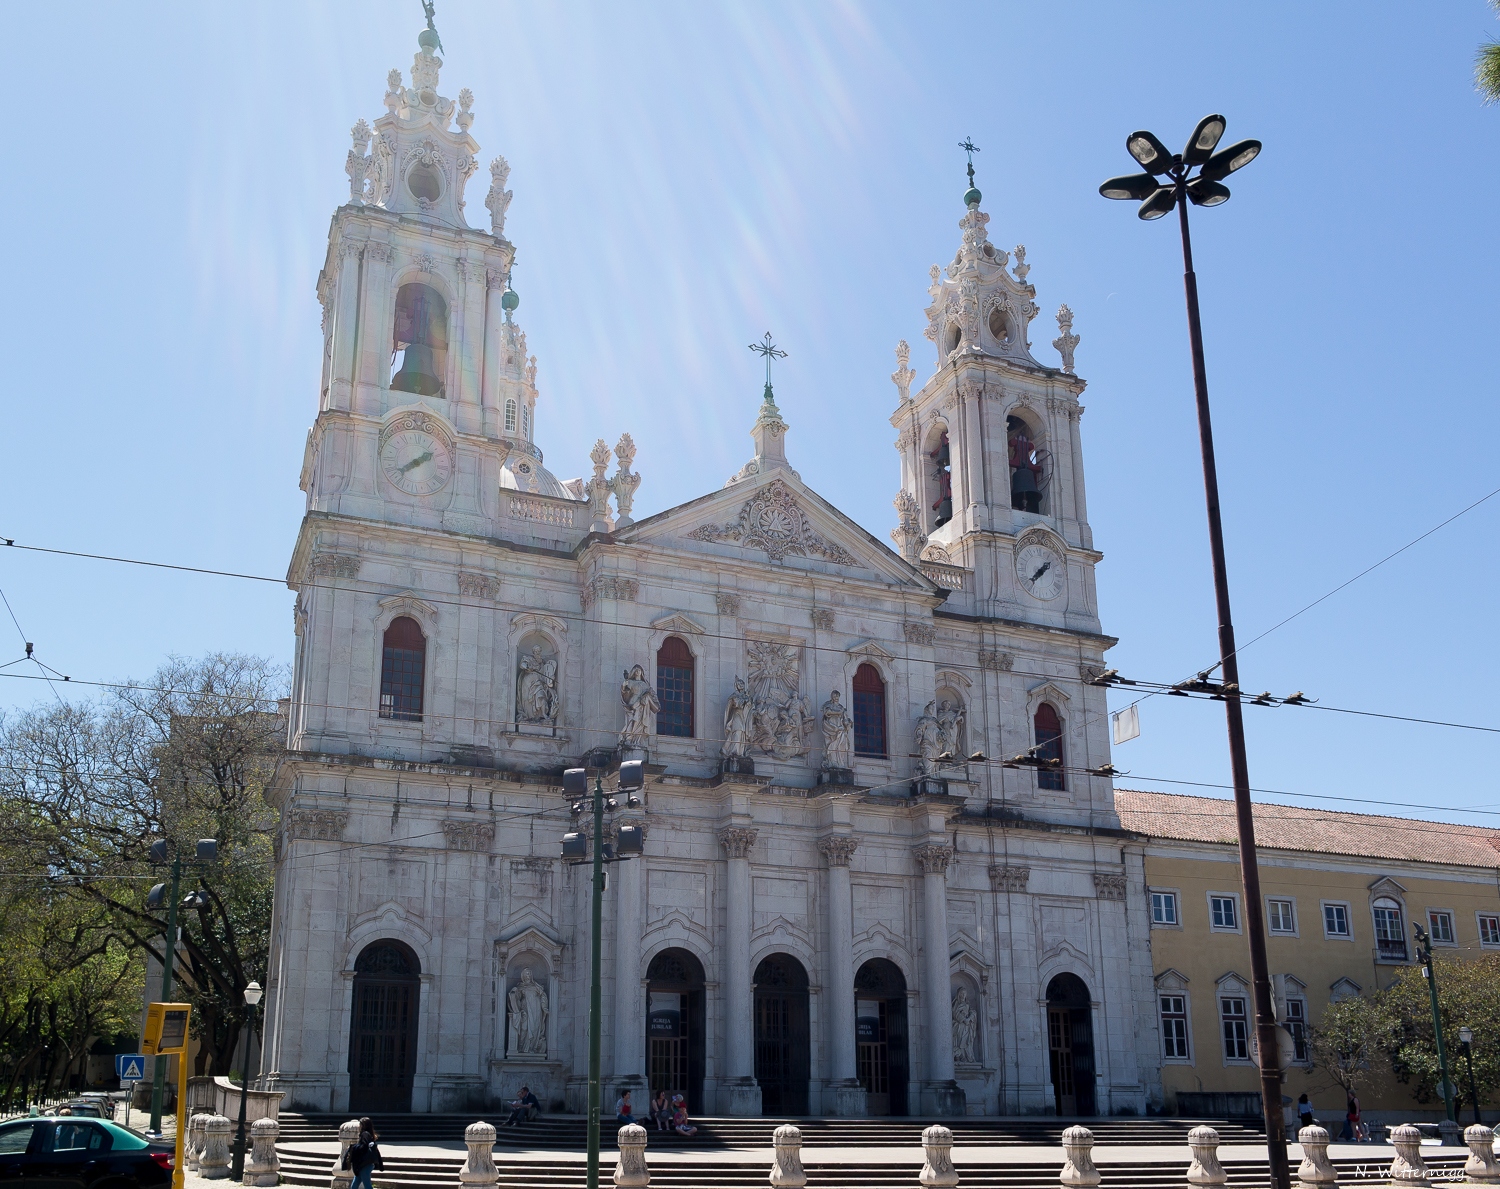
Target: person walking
{"points": [[623, 1110], [1304, 1113], [364, 1156]]}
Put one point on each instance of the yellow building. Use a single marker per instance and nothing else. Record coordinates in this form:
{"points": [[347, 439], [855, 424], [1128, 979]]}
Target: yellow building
{"points": [[1340, 892]]}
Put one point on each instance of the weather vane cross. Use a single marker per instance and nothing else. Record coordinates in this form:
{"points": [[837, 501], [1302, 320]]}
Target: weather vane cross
{"points": [[771, 351], [969, 147], [429, 10]]}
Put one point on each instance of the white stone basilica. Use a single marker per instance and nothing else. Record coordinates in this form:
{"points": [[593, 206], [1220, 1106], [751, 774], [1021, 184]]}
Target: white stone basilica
{"points": [[837, 912]]}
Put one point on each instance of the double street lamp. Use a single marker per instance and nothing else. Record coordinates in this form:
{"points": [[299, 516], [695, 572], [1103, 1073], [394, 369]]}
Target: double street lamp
{"points": [[1196, 175]]}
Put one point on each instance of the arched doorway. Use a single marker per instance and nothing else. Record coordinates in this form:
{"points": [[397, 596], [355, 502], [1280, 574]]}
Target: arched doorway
{"points": [[880, 1036], [782, 1047], [1070, 1041], [675, 1026], [383, 1035]]}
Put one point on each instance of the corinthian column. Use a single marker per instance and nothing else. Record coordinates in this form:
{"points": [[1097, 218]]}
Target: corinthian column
{"points": [[740, 1095], [845, 1096], [940, 1093], [630, 1026]]}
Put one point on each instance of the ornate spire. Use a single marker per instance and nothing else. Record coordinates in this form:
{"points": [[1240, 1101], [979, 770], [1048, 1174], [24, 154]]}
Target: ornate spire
{"points": [[769, 430]]}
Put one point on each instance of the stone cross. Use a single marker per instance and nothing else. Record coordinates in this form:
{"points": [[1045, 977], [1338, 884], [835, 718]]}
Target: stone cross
{"points": [[1205, 1168], [1078, 1168], [786, 1166], [631, 1172], [1316, 1168], [937, 1146]]}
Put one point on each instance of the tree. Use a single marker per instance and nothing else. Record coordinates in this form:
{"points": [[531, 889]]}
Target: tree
{"points": [[1487, 67], [87, 787], [1349, 1036], [1468, 995]]}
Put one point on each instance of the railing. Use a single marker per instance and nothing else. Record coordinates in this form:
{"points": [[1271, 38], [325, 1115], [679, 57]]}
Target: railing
{"points": [[562, 513], [946, 576], [1391, 949]]}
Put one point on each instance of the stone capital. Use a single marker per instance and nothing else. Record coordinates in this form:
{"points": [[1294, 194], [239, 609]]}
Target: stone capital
{"points": [[838, 849], [737, 841], [1009, 879], [934, 858]]}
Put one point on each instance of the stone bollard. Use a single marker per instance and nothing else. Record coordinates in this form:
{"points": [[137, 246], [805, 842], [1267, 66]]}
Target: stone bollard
{"points": [[348, 1137], [1481, 1167], [1316, 1168], [479, 1168], [786, 1168], [213, 1160], [192, 1142], [1408, 1168], [937, 1145], [1078, 1169], [263, 1167], [1205, 1168], [631, 1172]]}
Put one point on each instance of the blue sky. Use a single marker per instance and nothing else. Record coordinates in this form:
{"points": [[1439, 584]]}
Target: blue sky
{"points": [[689, 175]]}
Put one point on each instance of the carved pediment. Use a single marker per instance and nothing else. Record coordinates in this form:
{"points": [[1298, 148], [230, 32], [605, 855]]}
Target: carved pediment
{"points": [[1172, 980], [677, 622], [773, 520], [869, 648]]}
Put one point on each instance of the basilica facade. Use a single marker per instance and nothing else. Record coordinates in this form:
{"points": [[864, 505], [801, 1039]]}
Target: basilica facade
{"points": [[847, 904]]}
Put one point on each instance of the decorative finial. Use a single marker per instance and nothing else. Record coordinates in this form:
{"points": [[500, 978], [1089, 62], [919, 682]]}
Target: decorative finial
{"points": [[768, 349], [498, 199], [972, 196], [903, 375], [429, 7], [1066, 342]]}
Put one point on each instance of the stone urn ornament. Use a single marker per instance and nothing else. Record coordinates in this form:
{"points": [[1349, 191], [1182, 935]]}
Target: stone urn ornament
{"points": [[1205, 1168], [631, 1171], [1316, 1168], [479, 1167], [1408, 1168], [213, 1161], [937, 1146], [786, 1165], [1481, 1167], [264, 1167], [1078, 1168]]}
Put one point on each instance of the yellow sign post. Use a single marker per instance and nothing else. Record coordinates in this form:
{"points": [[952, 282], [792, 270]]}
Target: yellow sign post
{"points": [[167, 1035]]}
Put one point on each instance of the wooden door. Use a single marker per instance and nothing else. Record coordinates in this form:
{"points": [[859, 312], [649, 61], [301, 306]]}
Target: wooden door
{"points": [[383, 1055], [1060, 1042]]}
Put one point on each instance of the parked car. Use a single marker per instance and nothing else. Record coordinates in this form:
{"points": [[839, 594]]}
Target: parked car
{"points": [[87, 1108], [79, 1153]]}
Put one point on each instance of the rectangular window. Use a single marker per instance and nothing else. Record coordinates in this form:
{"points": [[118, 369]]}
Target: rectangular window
{"points": [[1223, 912], [1390, 937], [1281, 916], [1174, 1032], [1440, 925], [1164, 908], [1489, 929], [1296, 1024], [1236, 1028], [1336, 920]]}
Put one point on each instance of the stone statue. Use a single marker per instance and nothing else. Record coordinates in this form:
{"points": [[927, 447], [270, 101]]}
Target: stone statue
{"points": [[965, 1028], [536, 688], [528, 1016], [929, 739], [838, 734], [739, 721], [950, 716], [641, 705]]}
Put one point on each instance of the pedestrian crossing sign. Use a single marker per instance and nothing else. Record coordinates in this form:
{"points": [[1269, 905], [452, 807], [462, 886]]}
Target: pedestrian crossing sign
{"points": [[130, 1067]]}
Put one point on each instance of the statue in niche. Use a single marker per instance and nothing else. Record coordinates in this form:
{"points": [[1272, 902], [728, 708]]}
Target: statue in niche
{"points": [[929, 740], [536, 688], [739, 720], [965, 1028], [641, 705], [528, 1016], [838, 734], [950, 716]]}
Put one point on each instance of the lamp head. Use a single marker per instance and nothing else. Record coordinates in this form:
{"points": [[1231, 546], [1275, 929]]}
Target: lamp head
{"points": [[208, 850], [1466, 1035], [1203, 192], [575, 781], [1134, 185], [1204, 139], [1149, 151], [1226, 161], [1159, 204], [253, 994]]}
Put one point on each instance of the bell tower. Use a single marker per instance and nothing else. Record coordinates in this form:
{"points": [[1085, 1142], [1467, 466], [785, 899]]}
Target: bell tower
{"points": [[991, 460], [428, 399]]}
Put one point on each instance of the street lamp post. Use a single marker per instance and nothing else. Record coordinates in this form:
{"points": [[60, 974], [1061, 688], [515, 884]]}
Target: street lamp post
{"points": [[1170, 181], [237, 1168], [1424, 956], [575, 847], [1466, 1039]]}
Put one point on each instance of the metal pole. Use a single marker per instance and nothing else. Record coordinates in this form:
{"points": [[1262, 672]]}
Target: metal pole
{"points": [[1265, 1013], [237, 1166], [595, 992], [1473, 1089], [169, 957], [1425, 953]]}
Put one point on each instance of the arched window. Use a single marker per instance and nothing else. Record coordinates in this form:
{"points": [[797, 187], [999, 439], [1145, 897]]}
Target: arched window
{"points": [[1028, 467], [1049, 746], [420, 337], [674, 688], [869, 712], [1390, 932], [943, 477], [526, 422], [403, 664], [510, 415]]}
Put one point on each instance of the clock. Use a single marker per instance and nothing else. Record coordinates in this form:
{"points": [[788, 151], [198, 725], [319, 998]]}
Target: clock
{"points": [[416, 462], [1041, 572]]}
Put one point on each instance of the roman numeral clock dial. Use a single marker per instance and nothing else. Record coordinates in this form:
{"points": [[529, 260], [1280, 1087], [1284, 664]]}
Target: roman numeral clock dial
{"points": [[415, 462], [1041, 572]]}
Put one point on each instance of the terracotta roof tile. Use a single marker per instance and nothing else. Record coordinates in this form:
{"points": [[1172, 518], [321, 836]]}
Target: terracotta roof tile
{"points": [[1289, 827]]}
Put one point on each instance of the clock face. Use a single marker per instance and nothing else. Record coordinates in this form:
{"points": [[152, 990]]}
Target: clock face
{"points": [[1041, 572], [416, 462]]}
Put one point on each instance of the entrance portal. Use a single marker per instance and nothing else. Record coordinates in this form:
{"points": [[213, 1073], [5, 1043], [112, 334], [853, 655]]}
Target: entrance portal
{"points": [[880, 1033], [383, 1036], [674, 1026], [1070, 1041], [782, 1045]]}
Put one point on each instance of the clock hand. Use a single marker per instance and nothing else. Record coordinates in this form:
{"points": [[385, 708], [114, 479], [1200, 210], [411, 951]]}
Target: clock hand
{"points": [[425, 456], [1046, 565]]}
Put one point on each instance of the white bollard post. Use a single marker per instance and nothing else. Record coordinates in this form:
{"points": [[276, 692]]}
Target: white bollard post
{"points": [[1078, 1169], [1481, 1167], [264, 1166], [1408, 1168], [213, 1161], [786, 1167], [937, 1146], [631, 1172], [192, 1142], [1316, 1168], [1205, 1168], [479, 1168], [348, 1137]]}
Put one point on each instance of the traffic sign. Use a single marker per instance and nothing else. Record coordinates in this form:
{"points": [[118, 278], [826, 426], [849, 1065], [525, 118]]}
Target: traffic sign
{"points": [[130, 1067]]}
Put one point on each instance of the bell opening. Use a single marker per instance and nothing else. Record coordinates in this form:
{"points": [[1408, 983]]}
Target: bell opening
{"points": [[420, 341]]}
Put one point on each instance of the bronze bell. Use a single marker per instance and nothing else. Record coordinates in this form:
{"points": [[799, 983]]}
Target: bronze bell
{"points": [[418, 372]]}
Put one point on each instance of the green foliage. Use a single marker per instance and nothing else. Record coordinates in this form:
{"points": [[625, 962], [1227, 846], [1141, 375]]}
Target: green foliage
{"points": [[1348, 1037], [1468, 995], [1487, 67], [87, 787]]}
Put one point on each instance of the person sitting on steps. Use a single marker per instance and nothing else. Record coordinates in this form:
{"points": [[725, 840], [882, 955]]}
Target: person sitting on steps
{"points": [[661, 1111], [524, 1108], [680, 1122], [623, 1110]]}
